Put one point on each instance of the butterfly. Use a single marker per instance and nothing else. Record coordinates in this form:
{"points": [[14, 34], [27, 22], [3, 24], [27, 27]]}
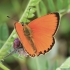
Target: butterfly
{"points": [[37, 37]]}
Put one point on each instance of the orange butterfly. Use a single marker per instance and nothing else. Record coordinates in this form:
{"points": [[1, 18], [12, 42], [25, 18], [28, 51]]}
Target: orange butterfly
{"points": [[37, 36]]}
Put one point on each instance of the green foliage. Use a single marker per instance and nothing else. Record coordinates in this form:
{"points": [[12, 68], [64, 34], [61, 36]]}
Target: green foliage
{"points": [[30, 10], [64, 26], [51, 5], [41, 7], [59, 4], [38, 63], [65, 65], [4, 34], [3, 67], [16, 5], [66, 4]]}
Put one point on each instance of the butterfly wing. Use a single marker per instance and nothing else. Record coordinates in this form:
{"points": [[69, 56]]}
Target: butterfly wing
{"points": [[26, 45], [43, 29]]}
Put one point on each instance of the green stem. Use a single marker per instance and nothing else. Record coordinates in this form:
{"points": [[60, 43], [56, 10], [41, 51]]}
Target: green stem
{"points": [[3, 67], [38, 10], [37, 62]]}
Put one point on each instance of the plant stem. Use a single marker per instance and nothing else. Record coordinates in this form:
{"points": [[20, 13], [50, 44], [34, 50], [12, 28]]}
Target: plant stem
{"points": [[3, 67], [37, 62], [38, 10]]}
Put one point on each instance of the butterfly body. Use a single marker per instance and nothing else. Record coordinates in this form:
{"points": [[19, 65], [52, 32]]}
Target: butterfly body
{"points": [[27, 31], [28, 34], [37, 37]]}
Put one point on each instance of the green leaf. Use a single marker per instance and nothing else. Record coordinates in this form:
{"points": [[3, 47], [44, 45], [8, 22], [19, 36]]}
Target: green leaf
{"points": [[43, 8], [59, 4], [32, 10], [38, 63], [31, 15], [51, 5], [34, 2], [0, 36], [65, 65], [4, 34], [9, 59], [64, 26], [25, 20], [3, 67], [16, 5], [55, 65], [66, 4]]}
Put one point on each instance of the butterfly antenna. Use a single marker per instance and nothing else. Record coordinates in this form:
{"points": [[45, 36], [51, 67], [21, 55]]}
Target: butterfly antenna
{"points": [[10, 54], [11, 18]]}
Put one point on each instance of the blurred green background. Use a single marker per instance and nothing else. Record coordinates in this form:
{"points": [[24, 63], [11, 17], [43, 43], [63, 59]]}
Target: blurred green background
{"points": [[59, 53]]}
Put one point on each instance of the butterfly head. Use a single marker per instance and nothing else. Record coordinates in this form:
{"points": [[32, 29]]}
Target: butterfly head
{"points": [[20, 24]]}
